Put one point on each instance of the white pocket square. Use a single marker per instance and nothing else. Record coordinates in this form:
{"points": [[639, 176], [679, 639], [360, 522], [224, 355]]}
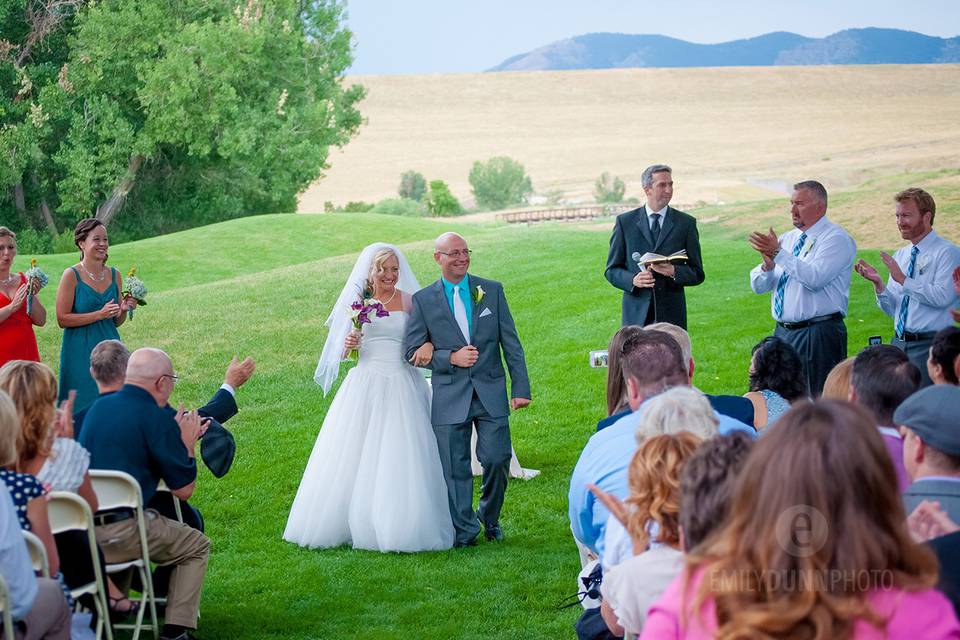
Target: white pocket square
{"points": [[486, 312]]}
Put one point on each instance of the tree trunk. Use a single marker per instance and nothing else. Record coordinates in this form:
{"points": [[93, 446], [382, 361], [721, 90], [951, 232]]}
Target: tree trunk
{"points": [[108, 210], [18, 200], [45, 211]]}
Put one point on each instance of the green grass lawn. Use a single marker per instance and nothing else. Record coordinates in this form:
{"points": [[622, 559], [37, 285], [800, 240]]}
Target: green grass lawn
{"points": [[263, 286]]}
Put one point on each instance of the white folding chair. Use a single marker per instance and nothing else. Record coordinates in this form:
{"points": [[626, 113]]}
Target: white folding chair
{"points": [[119, 490], [162, 486], [5, 610], [70, 512], [38, 553]]}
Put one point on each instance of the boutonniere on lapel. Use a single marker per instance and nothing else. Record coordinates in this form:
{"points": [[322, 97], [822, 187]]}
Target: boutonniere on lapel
{"points": [[478, 294], [922, 264], [809, 248]]}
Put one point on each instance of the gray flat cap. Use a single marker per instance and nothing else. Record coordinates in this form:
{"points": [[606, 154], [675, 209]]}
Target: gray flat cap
{"points": [[933, 414]]}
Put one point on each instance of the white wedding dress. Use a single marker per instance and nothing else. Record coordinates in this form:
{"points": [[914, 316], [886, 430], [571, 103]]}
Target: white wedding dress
{"points": [[374, 477]]}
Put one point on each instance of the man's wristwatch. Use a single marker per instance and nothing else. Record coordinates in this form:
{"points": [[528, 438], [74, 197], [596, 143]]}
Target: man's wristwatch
{"points": [[774, 254]]}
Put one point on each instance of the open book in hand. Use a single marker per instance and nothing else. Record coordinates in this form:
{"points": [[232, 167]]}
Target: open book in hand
{"points": [[655, 258]]}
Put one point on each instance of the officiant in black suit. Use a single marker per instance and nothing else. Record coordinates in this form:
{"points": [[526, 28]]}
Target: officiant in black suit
{"points": [[654, 294]]}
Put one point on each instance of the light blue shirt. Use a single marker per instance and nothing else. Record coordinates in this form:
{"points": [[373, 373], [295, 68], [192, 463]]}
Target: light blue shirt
{"points": [[464, 295], [14, 560], [604, 462]]}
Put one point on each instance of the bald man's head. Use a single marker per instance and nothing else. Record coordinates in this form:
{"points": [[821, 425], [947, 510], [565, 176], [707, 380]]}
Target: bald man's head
{"points": [[453, 256], [151, 370]]}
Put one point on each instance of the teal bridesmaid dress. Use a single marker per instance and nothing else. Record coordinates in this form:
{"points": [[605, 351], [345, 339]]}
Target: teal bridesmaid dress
{"points": [[78, 342]]}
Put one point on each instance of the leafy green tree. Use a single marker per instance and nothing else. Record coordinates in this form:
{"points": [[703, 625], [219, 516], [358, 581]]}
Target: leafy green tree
{"points": [[413, 186], [609, 189], [499, 182], [440, 202], [163, 114], [399, 207]]}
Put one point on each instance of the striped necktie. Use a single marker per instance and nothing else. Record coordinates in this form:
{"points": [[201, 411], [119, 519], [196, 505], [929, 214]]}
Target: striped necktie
{"points": [[905, 302], [782, 282]]}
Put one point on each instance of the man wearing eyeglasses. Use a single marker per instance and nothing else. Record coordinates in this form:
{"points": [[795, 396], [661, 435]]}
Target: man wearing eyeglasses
{"points": [[467, 320], [131, 431]]}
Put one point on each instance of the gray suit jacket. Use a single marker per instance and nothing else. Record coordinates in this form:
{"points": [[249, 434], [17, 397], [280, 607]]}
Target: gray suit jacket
{"points": [[431, 320], [946, 492]]}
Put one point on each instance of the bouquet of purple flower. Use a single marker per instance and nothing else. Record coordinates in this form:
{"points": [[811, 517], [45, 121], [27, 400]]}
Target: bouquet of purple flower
{"points": [[363, 312]]}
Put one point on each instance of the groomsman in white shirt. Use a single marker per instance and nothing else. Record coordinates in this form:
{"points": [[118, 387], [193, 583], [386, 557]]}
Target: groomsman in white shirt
{"points": [[919, 293], [808, 272]]}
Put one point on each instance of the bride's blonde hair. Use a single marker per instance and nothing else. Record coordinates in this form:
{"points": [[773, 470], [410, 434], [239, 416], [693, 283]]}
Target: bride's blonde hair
{"points": [[376, 266]]}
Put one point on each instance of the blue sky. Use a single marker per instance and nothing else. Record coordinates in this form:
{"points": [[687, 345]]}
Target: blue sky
{"points": [[442, 36]]}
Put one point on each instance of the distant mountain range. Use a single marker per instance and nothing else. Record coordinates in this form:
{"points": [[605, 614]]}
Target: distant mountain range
{"points": [[852, 46]]}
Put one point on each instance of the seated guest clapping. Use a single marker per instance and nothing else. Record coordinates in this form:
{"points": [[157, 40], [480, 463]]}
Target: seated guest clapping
{"points": [[131, 431], [883, 377], [777, 380], [943, 363], [617, 405], [815, 545], [651, 514], [676, 410], [707, 482], [930, 422]]}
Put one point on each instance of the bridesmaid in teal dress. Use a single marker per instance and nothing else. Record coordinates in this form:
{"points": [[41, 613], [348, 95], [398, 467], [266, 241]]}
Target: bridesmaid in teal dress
{"points": [[89, 308]]}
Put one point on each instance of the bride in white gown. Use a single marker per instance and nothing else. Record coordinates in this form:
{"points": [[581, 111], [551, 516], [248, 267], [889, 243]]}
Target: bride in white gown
{"points": [[374, 477]]}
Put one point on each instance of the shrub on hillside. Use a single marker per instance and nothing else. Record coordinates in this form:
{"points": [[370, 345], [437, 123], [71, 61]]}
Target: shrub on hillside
{"points": [[413, 186], [357, 206], [609, 189], [440, 202], [499, 182], [399, 207]]}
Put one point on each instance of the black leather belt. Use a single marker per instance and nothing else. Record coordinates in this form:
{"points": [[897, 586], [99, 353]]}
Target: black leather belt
{"points": [[790, 326], [909, 336], [110, 517]]}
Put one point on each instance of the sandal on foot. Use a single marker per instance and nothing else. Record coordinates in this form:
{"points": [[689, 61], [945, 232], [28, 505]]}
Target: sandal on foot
{"points": [[120, 613]]}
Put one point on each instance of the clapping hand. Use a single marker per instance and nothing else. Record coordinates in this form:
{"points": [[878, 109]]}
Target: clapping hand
{"points": [[64, 419], [238, 372], [766, 244], [869, 272], [20, 296], [614, 505], [191, 427], [929, 521], [422, 356], [895, 271]]}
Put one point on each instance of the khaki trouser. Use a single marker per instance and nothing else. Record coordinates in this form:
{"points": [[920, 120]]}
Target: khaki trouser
{"points": [[49, 619], [169, 543]]}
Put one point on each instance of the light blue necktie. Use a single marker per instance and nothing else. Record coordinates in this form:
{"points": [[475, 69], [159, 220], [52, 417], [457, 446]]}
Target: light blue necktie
{"points": [[905, 302], [782, 282]]}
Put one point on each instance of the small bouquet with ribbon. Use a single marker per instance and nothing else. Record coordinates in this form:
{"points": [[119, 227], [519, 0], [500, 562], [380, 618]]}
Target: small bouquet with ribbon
{"points": [[134, 287], [363, 312], [36, 280]]}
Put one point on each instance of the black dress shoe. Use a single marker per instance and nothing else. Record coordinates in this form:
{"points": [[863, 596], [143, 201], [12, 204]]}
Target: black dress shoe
{"points": [[472, 542], [493, 533]]}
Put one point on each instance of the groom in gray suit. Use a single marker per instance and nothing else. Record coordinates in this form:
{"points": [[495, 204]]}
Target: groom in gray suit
{"points": [[468, 321]]}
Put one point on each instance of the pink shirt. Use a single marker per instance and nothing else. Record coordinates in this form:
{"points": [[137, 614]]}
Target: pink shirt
{"points": [[913, 615]]}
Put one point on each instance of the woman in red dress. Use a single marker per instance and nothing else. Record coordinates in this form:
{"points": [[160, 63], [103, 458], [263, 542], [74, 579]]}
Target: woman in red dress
{"points": [[17, 341]]}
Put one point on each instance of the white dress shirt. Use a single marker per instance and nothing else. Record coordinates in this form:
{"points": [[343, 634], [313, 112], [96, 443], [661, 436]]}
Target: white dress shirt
{"points": [[931, 290], [818, 281], [662, 212]]}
